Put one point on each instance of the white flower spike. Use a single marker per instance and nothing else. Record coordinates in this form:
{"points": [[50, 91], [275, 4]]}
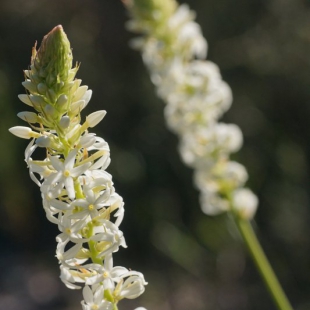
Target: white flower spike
{"points": [[78, 194], [174, 49]]}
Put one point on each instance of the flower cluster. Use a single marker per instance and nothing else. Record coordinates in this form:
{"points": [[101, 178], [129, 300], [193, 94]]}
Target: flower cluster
{"points": [[78, 194], [174, 50]]}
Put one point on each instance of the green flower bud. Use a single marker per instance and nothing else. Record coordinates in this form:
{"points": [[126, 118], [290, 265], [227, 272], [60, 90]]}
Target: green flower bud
{"points": [[53, 60], [41, 88], [62, 100], [50, 81]]}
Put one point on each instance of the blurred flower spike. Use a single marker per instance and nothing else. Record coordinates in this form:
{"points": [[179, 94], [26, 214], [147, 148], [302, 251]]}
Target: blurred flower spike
{"points": [[174, 51], [78, 194], [196, 97]]}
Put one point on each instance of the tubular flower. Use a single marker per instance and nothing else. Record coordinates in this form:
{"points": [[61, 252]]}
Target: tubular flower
{"points": [[78, 194], [174, 51]]}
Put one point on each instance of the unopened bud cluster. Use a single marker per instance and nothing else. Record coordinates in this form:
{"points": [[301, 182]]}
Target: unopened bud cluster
{"points": [[78, 194], [174, 50]]}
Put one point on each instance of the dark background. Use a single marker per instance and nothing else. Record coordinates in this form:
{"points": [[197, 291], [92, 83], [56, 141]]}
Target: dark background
{"points": [[190, 260]]}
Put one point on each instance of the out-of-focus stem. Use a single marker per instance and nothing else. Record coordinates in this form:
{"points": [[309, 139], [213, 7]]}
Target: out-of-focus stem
{"points": [[262, 264]]}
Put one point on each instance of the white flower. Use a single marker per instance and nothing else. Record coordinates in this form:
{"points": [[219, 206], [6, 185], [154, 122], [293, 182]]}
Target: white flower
{"points": [[91, 175], [182, 15], [120, 281], [65, 174], [54, 208], [70, 229], [190, 35], [99, 273], [132, 287], [227, 175], [56, 204], [212, 204], [206, 145], [69, 277], [94, 199], [109, 236], [51, 213], [103, 149], [29, 150], [92, 274], [38, 167], [94, 299], [117, 204], [64, 255], [195, 93]]}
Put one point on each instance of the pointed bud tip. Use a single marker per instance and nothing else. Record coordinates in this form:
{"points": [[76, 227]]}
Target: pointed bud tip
{"points": [[57, 35], [59, 27], [58, 30]]}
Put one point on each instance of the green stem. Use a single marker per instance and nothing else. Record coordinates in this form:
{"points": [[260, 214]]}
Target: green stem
{"points": [[92, 246], [262, 264], [108, 296]]}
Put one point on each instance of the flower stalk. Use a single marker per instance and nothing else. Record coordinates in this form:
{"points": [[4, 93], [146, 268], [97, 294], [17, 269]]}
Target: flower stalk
{"points": [[174, 51], [77, 192], [262, 263]]}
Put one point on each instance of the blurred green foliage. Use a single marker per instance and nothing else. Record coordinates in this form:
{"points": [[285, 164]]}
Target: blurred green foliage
{"points": [[191, 261]]}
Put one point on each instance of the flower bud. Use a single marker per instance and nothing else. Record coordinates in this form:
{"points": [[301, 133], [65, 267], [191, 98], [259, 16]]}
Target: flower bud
{"points": [[43, 141], [23, 132], [77, 107], [25, 99], [245, 203], [95, 118], [54, 57], [80, 93], [51, 95], [64, 122], [29, 117], [49, 110], [62, 100], [30, 86], [42, 88], [37, 100]]}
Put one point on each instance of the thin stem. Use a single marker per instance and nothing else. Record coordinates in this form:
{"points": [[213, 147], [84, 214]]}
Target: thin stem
{"points": [[108, 296], [92, 246], [262, 264]]}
